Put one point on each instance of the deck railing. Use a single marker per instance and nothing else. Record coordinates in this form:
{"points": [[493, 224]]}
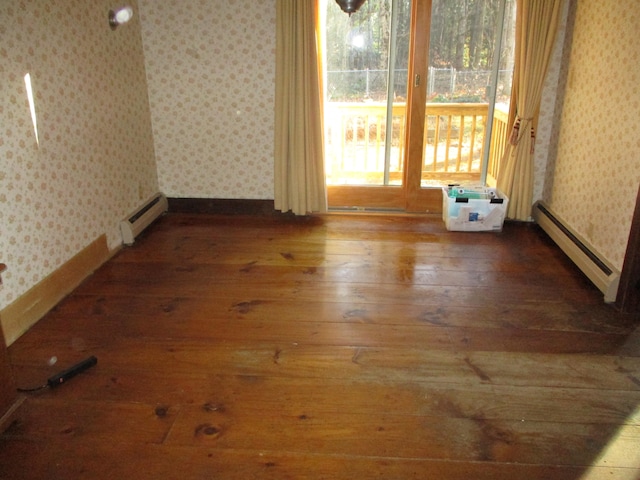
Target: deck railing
{"points": [[454, 139], [356, 136], [499, 139]]}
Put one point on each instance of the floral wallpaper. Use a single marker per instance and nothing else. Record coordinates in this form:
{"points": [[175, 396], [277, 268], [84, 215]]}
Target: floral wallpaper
{"points": [[596, 170], [94, 161], [211, 74]]}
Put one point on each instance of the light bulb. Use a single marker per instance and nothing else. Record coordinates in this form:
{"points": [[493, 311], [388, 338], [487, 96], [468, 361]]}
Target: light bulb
{"points": [[120, 16], [124, 15]]}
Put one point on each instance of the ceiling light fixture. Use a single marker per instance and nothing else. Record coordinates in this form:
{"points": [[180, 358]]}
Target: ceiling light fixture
{"points": [[120, 16], [350, 6]]}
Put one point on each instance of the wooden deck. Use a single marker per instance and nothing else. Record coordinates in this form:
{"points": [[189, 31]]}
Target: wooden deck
{"points": [[335, 347], [453, 144]]}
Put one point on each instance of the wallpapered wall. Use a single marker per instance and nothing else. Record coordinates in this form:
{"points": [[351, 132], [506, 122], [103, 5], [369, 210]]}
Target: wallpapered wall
{"points": [[597, 168], [95, 161], [211, 73]]}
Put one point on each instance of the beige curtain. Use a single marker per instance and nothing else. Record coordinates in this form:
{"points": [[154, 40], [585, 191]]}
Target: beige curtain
{"points": [[536, 26], [299, 150]]}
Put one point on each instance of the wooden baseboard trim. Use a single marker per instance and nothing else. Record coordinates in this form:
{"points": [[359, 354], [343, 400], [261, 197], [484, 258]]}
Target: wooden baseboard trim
{"points": [[22, 314], [222, 206]]}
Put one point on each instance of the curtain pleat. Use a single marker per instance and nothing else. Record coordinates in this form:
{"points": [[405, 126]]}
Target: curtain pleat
{"points": [[299, 150], [536, 26]]}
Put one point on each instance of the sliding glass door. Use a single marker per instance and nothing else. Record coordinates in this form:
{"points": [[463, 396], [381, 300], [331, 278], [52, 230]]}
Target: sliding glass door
{"points": [[409, 91]]}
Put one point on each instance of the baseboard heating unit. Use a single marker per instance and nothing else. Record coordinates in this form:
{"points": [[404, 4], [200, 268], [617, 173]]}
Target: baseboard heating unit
{"points": [[601, 273], [134, 224]]}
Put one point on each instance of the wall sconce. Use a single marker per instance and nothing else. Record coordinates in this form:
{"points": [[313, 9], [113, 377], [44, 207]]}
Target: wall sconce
{"points": [[350, 6], [120, 16]]}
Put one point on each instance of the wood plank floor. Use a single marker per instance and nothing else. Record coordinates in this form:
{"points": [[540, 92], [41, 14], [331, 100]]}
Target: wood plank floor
{"points": [[333, 347]]}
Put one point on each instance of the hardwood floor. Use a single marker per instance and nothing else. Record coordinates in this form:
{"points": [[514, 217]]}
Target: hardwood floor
{"points": [[334, 347]]}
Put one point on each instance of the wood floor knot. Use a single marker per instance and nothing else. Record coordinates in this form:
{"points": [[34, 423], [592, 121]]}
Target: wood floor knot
{"points": [[208, 430], [162, 411]]}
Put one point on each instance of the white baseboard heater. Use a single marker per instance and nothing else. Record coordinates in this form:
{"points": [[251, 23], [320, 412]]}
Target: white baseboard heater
{"points": [[601, 273], [137, 221]]}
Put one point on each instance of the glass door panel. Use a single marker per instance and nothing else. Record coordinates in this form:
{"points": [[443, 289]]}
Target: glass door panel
{"points": [[365, 66], [503, 72], [469, 70]]}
